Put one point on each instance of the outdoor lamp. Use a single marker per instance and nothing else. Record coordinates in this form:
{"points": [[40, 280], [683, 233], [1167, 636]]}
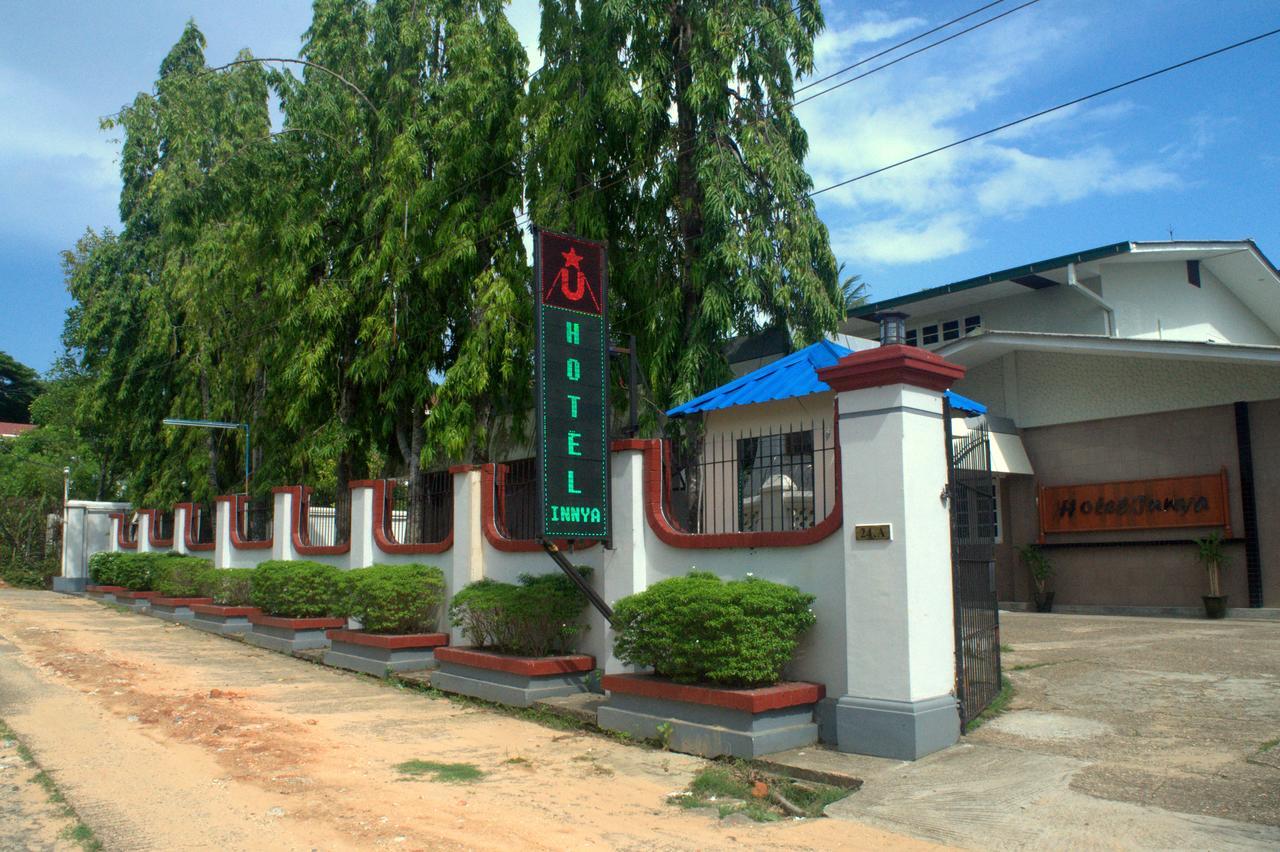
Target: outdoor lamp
{"points": [[893, 328]]}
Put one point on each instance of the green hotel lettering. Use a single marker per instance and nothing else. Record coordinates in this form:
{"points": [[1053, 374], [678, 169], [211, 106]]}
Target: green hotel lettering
{"points": [[572, 334]]}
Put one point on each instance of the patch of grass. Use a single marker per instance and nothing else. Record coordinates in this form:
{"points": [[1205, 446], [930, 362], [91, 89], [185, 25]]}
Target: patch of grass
{"points": [[1268, 745], [998, 705], [518, 760], [77, 832], [83, 834], [727, 786], [1006, 648], [452, 773]]}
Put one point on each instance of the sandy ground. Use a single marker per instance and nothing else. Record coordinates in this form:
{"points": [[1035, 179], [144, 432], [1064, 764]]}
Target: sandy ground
{"points": [[28, 820], [164, 737]]}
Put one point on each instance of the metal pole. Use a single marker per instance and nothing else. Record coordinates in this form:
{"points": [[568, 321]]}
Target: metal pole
{"points": [[246, 459], [635, 387]]}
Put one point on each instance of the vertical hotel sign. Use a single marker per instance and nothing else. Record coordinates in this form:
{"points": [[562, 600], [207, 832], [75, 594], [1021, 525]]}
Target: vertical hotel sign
{"points": [[572, 371]]}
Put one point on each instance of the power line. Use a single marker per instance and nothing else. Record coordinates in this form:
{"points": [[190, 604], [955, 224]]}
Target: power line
{"points": [[1109, 89], [916, 52], [889, 50]]}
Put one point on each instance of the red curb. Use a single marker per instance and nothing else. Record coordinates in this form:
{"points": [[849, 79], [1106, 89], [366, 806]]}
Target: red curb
{"points": [[224, 611], [180, 601], [105, 590], [526, 666], [136, 596], [390, 641], [785, 694], [295, 623]]}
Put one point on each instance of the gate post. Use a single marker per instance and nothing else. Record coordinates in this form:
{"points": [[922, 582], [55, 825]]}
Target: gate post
{"points": [[899, 612]]}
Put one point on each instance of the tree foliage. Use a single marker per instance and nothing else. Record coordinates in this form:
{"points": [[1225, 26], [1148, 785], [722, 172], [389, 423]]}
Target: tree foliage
{"points": [[351, 281]]}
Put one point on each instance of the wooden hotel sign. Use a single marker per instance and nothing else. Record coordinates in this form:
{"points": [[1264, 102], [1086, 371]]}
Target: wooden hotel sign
{"points": [[1141, 504], [571, 279]]}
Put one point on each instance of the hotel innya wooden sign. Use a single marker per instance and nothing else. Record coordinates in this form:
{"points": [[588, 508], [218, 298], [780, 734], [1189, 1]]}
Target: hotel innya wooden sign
{"points": [[1142, 504]]}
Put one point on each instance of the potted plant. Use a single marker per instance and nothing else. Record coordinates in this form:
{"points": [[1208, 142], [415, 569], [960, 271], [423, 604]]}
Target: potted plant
{"points": [[179, 582], [1041, 570], [397, 607], [230, 591], [521, 637], [297, 603], [1212, 556], [717, 650]]}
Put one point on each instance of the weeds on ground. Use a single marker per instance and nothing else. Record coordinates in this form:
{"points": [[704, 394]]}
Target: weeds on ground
{"points": [[1006, 648], [77, 832], [737, 787], [1268, 745], [452, 773], [1026, 667], [998, 705]]}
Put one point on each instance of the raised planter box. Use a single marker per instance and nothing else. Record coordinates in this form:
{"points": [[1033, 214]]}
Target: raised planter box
{"points": [[69, 585], [287, 635], [518, 681], [380, 655], [175, 609], [107, 594], [137, 601], [711, 721], [223, 620]]}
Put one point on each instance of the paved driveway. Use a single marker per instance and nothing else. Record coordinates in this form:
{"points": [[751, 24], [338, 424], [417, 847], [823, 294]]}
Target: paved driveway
{"points": [[1123, 733]]}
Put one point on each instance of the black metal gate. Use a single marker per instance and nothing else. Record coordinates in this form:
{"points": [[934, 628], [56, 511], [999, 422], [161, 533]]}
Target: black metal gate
{"points": [[973, 532]]}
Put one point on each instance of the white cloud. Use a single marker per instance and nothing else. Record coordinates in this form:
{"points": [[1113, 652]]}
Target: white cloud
{"points": [[900, 240], [834, 43], [941, 204]]}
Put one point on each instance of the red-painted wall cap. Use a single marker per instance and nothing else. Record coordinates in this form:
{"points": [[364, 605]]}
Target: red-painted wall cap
{"points": [[892, 365]]}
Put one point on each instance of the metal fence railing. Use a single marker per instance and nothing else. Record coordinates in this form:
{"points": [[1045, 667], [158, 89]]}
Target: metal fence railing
{"points": [[254, 520], [325, 520], [203, 518], [775, 480], [129, 530], [429, 519], [164, 526], [517, 498]]}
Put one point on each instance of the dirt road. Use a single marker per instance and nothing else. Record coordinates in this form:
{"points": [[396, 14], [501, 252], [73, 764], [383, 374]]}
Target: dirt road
{"points": [[165, 737]]}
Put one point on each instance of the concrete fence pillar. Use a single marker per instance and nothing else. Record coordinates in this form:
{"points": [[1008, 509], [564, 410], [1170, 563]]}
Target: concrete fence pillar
{"points": [[624, 568], [145, 519], [363, 552], [181, 517], [897, 553], [283, 499]]}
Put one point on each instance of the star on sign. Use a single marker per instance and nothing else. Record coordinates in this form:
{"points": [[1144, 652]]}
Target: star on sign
{"points": [[571, 258]]}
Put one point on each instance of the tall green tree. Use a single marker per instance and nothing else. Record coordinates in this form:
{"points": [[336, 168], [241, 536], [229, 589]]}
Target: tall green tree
{"points": [[19, 385]]}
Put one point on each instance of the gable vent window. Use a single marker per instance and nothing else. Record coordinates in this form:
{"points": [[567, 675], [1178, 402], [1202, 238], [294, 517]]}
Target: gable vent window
{"points": [[929, 335], [972, 324], [951, 330]]}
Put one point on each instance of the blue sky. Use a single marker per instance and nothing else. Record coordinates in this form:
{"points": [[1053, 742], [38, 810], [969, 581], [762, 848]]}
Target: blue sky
{"points": [[1195, 150]]}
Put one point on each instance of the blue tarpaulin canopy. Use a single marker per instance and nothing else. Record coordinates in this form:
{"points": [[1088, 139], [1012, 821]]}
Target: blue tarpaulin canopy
{"points": [[790, 376]]}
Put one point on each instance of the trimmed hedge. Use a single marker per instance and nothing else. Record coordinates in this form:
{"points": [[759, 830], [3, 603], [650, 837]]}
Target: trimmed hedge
{"points": [[229, 586], [134, 571], [395, 598], [540, 616], [181, 576], [299, 589], [700, 629]]}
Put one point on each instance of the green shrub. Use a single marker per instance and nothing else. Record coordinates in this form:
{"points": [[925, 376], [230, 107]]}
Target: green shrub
{"points": [[29, 572], [229, 586], [103, 568], [699, 628], [395, 598], [298, 589], [181, 576], [540, 616], [134, 571]]}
